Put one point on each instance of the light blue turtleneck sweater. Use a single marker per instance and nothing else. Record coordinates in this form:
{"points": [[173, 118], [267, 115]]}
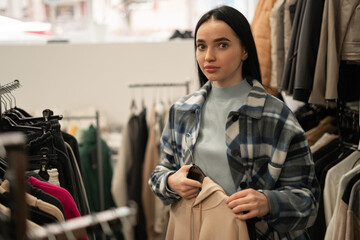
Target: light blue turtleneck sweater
{"points": [[210, 148]]}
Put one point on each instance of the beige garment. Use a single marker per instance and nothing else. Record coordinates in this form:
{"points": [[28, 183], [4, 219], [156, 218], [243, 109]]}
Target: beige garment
{"points": [[339, 231], [277, 43], [261, 30], [35, 202], [332, 181], [53, 176], [335, 24], [352, 227], [30, 226], [342, 185], [324, 126], [162, 211], [205, 217], [150, 162], [351, 47], [118, 182], [352, 231], [324, 140], [287, 25]]}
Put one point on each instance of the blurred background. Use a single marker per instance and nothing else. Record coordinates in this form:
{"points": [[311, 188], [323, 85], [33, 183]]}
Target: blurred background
{"points": [[104, 20]]}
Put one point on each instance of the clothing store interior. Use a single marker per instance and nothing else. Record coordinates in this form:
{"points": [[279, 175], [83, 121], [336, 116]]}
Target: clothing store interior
{"points": [[86, 86]]}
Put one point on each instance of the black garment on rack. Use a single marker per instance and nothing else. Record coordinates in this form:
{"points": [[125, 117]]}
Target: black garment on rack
{"points": [[309, 37], [309, 115], [35, 214], [325, 159], [335, 143], [71, 140], [288, 78], [69, 177], [138, 135], [40, 194], [41, 217], [349, 82]]}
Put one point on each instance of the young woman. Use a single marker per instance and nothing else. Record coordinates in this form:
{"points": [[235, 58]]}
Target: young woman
{"points": [[242, 138]]}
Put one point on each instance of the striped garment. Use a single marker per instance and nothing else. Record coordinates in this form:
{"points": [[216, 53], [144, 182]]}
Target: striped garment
{"points": [[267, 150]]}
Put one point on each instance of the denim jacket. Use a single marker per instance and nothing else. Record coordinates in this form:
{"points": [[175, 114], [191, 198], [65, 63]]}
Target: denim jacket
{"points": [[267, 150]]}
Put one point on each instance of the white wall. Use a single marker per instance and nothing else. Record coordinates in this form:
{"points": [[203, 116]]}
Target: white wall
{"points": [[67, 77]]}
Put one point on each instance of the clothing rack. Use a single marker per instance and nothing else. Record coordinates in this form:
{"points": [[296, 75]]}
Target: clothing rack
{"points": [[104, 221], [14, 143], [185, 84], [99, 150], [348, 124]]}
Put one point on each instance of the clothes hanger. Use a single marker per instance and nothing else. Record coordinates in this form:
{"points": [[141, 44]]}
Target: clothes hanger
{"points": [[133, 107], [8, 124]]}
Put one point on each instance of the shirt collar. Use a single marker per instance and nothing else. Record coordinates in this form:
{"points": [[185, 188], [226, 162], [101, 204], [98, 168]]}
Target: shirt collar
{"points": [[254, 104]]}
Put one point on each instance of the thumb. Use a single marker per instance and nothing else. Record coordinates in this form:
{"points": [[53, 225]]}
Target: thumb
{"points": [[185, 168]]}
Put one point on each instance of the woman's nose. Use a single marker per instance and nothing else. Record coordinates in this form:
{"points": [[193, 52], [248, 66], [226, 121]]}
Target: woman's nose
{"points": [[210, 55]]}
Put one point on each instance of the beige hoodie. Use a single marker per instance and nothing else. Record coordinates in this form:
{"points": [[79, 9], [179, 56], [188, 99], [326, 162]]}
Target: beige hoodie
{"points": [[205, 217]]}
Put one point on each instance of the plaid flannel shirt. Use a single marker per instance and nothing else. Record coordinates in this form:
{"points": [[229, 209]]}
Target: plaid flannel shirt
{"points": [[267, 150]]}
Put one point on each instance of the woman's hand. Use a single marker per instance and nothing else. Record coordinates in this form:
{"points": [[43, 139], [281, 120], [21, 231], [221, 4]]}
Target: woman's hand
{"points": [[185, 187], [248, 203]]}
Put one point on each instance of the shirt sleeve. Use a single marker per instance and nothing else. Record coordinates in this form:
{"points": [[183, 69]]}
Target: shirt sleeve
{"points": [[294, 201], [167, 166]]}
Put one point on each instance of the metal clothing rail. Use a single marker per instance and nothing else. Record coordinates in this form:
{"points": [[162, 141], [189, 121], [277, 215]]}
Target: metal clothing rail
{"points": [[78, 227], [185, 84], [99, 156]]}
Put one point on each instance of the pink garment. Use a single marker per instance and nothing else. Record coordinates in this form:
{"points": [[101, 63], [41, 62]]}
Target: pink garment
{"points": [[70, 208]]}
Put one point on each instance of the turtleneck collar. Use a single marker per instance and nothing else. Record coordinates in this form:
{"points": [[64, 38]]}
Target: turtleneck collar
{"points": [[226, 93]]}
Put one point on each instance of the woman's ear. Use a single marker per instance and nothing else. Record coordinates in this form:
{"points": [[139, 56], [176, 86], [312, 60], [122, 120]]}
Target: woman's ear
{"points": [[244, 55]]}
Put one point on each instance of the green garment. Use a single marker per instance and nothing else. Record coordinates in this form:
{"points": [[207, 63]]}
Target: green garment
{"points": [[89, 169]]}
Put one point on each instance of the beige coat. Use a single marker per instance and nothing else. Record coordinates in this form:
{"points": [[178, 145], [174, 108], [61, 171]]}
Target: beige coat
{"points": [[260, 27], [339, 23], [205, 217]]}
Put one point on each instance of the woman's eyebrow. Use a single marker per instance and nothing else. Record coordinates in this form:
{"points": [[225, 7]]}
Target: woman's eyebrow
{"points": [[222, 39], [215, 40]]}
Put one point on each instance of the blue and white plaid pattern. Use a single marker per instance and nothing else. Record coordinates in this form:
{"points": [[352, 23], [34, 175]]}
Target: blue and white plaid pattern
{"points": [[267, 149]]}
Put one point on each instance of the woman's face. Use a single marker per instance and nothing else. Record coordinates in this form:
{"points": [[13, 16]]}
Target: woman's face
{"points": [[219, 53]]}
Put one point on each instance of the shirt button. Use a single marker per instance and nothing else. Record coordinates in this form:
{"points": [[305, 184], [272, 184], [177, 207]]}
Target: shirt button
{"points": [[235, 117], [234, 152]]}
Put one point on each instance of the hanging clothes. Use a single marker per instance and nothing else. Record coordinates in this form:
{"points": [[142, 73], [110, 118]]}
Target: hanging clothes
{"points": [[156, 215], [128, 170], [47, 153], [277, 43], [260, 27], [90, 170], [138, 134], [339, 40], [309, 37], [288, 78]]}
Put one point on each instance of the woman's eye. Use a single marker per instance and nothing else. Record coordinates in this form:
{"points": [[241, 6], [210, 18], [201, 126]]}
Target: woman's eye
{"points": [[201, 47], [222, 45]]}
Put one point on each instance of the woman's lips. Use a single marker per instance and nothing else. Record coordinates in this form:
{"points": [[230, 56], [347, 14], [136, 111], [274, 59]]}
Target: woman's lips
{"points": [[211, 69]]}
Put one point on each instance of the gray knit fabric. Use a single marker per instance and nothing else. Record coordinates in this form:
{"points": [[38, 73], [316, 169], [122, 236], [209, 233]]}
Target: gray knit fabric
{"points": [[210, 149]]}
